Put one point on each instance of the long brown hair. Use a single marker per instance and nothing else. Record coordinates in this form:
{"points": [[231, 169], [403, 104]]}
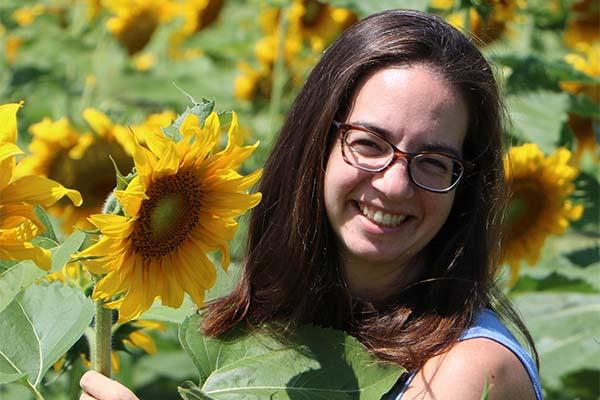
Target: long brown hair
{"points": [[292, 270]]}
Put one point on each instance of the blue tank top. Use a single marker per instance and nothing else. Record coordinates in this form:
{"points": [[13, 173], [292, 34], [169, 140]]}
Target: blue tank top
{"points": [[488, 326]]}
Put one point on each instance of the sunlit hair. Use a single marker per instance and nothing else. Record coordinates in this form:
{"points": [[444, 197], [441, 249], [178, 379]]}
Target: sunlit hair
{"points": [[292, 271]]}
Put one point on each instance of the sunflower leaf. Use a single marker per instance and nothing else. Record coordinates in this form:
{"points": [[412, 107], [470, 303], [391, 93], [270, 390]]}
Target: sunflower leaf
{"points": [[538, 117], [15, 278], [44, 218], [62, 254], [190, 391], [32, 340], [313, 363], [200, 109], [565, 329]]}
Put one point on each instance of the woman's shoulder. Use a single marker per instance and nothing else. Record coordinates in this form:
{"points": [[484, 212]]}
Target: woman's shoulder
{"points": [[468, 369], [487, 355]]}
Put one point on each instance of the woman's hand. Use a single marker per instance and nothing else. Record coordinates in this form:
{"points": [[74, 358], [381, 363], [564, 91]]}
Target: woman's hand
{"points": [[98, 387]]}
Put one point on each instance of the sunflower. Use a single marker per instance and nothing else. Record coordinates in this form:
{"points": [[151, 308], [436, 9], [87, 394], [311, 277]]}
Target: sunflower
{"points": [[487, 28], [19, 193], [584, 129], [12, 45], [319, 23], [182, 203], [129, 337], [587, 61], [309, 22], [135, 21], [144, 61], [250, 81], [80, 160], [196, 15], [25, 16], [539, 205], [583, 24]]}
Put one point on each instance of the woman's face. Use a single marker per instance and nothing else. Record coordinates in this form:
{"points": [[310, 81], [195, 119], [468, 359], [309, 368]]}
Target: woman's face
{"points": [[416, 110]]}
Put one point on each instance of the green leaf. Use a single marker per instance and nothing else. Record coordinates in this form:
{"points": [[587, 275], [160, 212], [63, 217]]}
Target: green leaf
{"points": [[313, 363], [533, 72], [585, 106], [38, 327], [538, 117], [190, 391], [16, 278], [50, 232], [62, 254], [159, 312], [200, 109], [565, 328]]}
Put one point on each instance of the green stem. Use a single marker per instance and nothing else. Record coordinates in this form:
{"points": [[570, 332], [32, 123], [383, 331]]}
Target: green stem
{"points": [[102, 348], [36, 393], [278, 78]]}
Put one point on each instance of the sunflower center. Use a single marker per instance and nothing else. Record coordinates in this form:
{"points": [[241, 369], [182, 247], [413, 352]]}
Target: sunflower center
{"points": [[93, 175], [165, 213], [168, 215], [313, 14], [524, 208]]}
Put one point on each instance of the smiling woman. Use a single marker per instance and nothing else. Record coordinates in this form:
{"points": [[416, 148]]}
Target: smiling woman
{"points": [[380, 214]]}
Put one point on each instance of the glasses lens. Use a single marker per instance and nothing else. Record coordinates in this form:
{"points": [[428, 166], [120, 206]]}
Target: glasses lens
{"points": [[435, 171], [366, 150]]}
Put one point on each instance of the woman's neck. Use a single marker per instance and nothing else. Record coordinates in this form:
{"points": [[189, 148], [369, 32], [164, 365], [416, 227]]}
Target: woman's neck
{"points": [[376, 282]]}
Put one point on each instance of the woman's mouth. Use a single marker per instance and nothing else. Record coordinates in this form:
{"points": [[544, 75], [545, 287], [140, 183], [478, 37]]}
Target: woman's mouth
{"points": [[381, 217]]}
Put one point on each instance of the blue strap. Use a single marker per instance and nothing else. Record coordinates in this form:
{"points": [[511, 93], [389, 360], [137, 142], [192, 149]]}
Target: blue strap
{"points": [[488, 326]]}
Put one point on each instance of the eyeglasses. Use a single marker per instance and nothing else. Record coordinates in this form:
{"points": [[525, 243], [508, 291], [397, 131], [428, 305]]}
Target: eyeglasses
{"points": [[430, 170]]}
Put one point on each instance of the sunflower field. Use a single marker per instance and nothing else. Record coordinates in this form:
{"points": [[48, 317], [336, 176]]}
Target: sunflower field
{"points": [[125, 122]]}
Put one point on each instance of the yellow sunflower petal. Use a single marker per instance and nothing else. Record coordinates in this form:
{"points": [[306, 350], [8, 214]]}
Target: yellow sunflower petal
{"points": [[237, 184], [8, 122], [7, 165], [168, 164], [104, 247], [115, 362], [98, 121], [145, 163], [230, 204], [156, 142], [124, 137], [172, 294], [143, 341], [113, 226], [10, 211], [131, 198], [189, 126], [149, 324], [137, 300], [38, 190], [9, 150], [109, 285], [18, 250]]}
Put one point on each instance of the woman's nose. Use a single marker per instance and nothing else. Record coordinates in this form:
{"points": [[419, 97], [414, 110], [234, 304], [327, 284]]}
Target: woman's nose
{"points": [[394, 181]]}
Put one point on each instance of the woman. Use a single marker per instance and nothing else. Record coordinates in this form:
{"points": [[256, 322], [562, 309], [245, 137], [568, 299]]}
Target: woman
{"points": [[381, 205]]}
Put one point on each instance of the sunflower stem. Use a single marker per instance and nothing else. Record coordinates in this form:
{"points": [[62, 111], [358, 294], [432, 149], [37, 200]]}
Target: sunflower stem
{"points": [[102, 348], [35, 392]]}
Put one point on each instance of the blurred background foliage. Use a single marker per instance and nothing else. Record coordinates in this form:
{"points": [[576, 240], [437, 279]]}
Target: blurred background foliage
{"points": [[91, 71]]}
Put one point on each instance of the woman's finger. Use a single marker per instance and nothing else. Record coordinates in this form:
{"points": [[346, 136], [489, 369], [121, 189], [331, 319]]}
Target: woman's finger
{"points": [[99, 387], [85, 396]]}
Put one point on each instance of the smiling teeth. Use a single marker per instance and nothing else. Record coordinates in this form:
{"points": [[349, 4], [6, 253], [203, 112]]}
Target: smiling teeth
{"points": [[381, 218]]}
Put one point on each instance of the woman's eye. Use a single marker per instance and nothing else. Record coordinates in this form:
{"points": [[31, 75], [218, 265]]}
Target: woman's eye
{"points": [[366, 146], [434, 165]]}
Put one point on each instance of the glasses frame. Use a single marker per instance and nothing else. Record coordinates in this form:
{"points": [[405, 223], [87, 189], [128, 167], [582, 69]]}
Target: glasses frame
{"points": [[398, 154]]}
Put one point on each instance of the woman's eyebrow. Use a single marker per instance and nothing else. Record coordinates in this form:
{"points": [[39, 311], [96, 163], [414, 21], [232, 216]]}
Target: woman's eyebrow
{"points": [[437, 147], [441, 148]]}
